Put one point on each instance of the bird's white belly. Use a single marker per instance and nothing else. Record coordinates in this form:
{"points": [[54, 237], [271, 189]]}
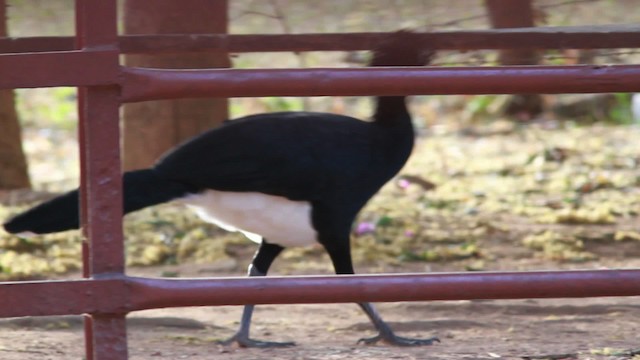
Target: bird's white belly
{"points": [[281, 221]]}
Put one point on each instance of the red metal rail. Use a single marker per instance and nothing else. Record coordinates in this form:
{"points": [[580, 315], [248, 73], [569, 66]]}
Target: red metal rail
{"points": [[593, 37], [108, 295], [139, 84], [119, 294], [150, 84], [64, 68]]}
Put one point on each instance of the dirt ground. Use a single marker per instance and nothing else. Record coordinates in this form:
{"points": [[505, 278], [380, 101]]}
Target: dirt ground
{"points": [[599, 328]]}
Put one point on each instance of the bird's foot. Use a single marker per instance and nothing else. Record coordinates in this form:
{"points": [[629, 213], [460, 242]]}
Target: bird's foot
{"points": [[243, 340], [393, 339]]}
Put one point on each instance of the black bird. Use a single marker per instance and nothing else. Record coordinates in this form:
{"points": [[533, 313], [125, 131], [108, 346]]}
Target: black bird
{"points": [[283, 179]]}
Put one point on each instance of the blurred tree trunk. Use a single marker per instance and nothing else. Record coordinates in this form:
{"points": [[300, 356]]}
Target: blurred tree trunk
{"points": [[14, 174], [153, 127], [511, 14]]}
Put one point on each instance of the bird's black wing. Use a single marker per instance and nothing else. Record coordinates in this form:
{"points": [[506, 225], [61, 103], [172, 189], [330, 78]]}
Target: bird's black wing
{"points": [[298, 155]]}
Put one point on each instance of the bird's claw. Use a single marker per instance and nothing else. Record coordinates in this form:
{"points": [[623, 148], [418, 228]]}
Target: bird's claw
{"points": [[393, 339], [244, 341]]}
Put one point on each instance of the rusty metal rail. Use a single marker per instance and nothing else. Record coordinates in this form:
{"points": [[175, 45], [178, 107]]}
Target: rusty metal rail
{"points": [[63, 68], [140, 84], [593, 37], [119, 294], [151, 84], [91, 61]]}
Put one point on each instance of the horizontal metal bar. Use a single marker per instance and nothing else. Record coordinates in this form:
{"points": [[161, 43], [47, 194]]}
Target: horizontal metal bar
{"points": [[66, 68], [63, 297], [148, 293], [595, 37], [37, 44], [524, 38], [122, 294], [150, 84]]}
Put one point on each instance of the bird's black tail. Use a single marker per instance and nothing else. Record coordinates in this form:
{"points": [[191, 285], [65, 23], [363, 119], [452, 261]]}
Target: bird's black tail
{"points": [[141, 188]]}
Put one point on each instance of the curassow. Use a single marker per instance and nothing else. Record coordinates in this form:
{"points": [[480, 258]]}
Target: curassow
{"points": [[283, 179]]}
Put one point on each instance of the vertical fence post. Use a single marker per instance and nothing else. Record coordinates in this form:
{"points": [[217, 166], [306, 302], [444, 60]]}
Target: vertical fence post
{"points": [[101, 180]]}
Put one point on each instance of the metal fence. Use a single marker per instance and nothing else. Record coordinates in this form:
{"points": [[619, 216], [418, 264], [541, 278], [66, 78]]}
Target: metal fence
{"points": [[90, 61]]}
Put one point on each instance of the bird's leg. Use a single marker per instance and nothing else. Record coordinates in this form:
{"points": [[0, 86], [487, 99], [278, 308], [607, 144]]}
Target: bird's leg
{"points": [[261, 261], [340, 254], [386, 334]]}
